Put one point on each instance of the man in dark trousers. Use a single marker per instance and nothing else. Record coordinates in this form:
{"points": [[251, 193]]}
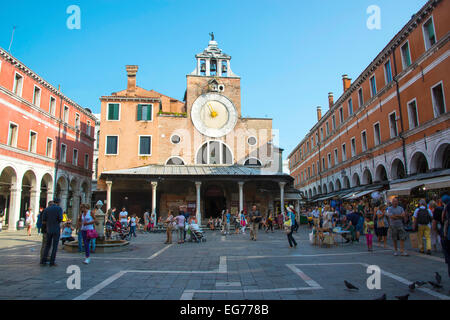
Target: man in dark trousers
{"points": [[255, 218], [52, 217], [44, 234]]}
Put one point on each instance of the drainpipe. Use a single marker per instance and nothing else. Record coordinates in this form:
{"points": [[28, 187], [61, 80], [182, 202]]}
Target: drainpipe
{"points": [[58, 147], [320, 168], [400, 113]]}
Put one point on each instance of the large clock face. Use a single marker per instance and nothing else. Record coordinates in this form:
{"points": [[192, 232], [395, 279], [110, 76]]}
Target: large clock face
{"points": [[213, 115]]}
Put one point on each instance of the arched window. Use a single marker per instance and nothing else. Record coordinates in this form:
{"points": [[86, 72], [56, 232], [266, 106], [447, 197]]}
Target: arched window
{"points": [[252, 162], [214, 152], [175, 161]]}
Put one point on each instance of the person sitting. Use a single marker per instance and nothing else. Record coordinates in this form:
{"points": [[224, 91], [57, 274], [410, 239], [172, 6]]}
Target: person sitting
{"points": [[326, 230], [347, 226], [211, 223], [67, 233]]}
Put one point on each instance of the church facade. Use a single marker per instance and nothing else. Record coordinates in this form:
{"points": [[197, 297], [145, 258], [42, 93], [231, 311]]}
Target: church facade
{"points": [[159, 153]]}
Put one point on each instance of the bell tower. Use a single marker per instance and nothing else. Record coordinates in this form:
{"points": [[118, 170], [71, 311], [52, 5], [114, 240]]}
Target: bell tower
{"points": [[213, 74], [212, 62]]}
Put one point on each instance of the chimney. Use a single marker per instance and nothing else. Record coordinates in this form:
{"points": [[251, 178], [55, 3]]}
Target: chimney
{"points": [[346, 82], [319, 113], [330, 99], [131, 73]]}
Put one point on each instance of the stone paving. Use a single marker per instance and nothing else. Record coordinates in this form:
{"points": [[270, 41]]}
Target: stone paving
{"points": [[231, 267]]}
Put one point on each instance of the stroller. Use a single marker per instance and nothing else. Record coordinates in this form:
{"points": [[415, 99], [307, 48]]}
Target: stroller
{"points": [[123, 233], [197, 234]]}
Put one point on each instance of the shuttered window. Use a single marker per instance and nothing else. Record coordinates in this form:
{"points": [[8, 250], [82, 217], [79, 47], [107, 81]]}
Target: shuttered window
{"points": [[144, 112], [113, 111], [145, 145], [111, 144]]}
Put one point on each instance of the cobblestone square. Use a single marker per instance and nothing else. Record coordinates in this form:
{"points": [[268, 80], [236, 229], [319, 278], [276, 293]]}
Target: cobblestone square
{"points": [[231, 267]]}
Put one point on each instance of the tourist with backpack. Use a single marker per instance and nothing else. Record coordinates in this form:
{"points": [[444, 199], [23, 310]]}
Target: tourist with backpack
{"points": [[445, 234], [422, 223]]}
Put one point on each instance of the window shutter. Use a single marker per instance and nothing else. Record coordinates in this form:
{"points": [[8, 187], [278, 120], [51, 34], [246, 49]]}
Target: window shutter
{"points": [[139, 112], [149, 112], [430, 31], [116, 112], [110, 112]]}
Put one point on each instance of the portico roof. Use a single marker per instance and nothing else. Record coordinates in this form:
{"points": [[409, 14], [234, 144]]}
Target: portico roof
{"points": [[196, 171]]}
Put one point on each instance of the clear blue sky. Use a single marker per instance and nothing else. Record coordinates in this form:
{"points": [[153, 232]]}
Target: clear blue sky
{"points": [[289, 53]]}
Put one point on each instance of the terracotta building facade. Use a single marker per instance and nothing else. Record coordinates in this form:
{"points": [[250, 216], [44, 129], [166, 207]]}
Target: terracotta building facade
{"points": [[391, 123], [46, 144], [156, 152]]}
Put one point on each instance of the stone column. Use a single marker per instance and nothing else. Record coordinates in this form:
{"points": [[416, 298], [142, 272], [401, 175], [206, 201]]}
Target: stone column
{"points": [[63, 199], [35, 197], [198, 213], [154, 185], [108, 194], [241, 196], [208, 71], [14, 208], [282, 184], [219, 68], [75, 205], [50, 196]]}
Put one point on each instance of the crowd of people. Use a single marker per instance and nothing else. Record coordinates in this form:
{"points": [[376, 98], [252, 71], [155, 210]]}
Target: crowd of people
{"points": [[428, 223], [54, 226]]}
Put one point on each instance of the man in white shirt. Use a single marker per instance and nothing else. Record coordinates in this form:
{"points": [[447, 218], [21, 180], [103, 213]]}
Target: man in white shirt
{"points": [[422, 223], [123, 216]]}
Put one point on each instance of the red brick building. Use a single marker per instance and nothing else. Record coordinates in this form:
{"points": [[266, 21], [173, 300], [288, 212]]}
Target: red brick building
{"points": [[390, 125], [46, 144]]}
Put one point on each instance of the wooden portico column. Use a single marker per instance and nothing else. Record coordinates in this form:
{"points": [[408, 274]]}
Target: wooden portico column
{"points": [[198, 213], [154, 185], [108, 194]]}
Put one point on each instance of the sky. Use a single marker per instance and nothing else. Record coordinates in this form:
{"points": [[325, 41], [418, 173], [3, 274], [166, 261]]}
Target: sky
{"points": [[288, 53]]}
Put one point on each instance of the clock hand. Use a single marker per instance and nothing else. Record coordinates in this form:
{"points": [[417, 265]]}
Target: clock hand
{"points": [[213, 112]]}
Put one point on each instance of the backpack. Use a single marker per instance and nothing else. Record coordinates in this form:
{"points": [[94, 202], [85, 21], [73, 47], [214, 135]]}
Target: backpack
{"points": [[423, 217]]}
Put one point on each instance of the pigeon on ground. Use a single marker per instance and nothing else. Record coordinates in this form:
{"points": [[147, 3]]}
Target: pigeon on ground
{"points": [[435, 285], [350, 286], [438, 277], [412, 286], [383, 297], [420, 283], [405, 297]]}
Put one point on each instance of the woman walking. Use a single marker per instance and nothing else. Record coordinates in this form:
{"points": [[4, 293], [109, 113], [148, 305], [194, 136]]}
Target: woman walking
{"points": [[382, 224], [39, 220], [87, 226], [290, 225], [243, 221], [180, 220], [29, 220]]}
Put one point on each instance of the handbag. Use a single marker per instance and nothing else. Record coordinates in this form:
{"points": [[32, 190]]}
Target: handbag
{"points": [[288, 223], [92, 234]]}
